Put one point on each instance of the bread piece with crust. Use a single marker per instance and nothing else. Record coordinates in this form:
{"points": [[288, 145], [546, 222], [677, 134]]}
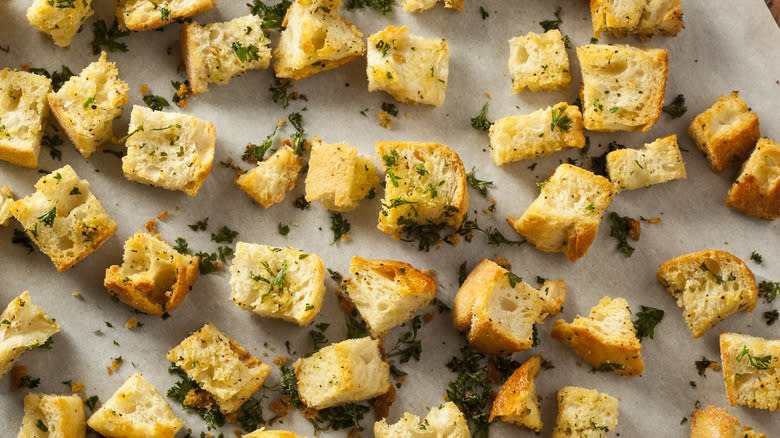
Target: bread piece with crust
{"points": [[62, 416], [756, 192], [517, 402], [23, 116], [606, 339], [262, 433], [445, 421], [6, 205], [584, 413], [339, 176], [539, 62], [29, 327], [709, 286], [141, 15], [751, 370], [424, 5], [712, 422], [565, 216], [645, 18], [268, 183], [658, 162], [60, 19]]}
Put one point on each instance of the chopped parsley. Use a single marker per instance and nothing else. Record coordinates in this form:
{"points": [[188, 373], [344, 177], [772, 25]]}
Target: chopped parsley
{"points": [[677, 108], [212, 416], [48, 217], [483, 12], [272, 16], [471, 390], [619, 230], [283, 229], [513, 279], [248, 53], [390, 108], [39, 424], [477, 184], [702, 365], [22, 239], [156, 103], [318, 338], [339, 226], [771, 317], [768, 290], [88, 103], [289, 385], [165, 12], [107, 37], [560, 120], [256, 153], [250, 417], [382, 6], [207, 262], [480, 122], [297, 137], [408, 346], [462, 273], [756, 257], [646, 321], [224, 234], [757, 362], [705, 268], [51, 142], [607, 367], [29, 382], [182, 247], [279, 92], [552, 24], [598, 164], [200, 225], [92, 402], [57, 78]]}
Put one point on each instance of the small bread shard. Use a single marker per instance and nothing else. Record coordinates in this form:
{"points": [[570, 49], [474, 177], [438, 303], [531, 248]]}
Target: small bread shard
{"points": [[6, 205], [658, 162], [756, 192], [517, 402], [269, 181], [28, 327]]}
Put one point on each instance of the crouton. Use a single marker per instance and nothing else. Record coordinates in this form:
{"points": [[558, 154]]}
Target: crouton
{"points": [[565, 216], [269, 182], [23, 116], [709, 286], [141, 15], [726, 132], [339, 176], [712, 422], [28, 327], [283, 283], [315, 38], [387, 293], [751, 370], [424, 5], [538, 134], [606, 339], [584, 413], [169, 150], [86, 105], [756, 192], [344, 372], [517, 402], [6, 205], [62, 416], [60, 19], [499, 309], [262, 433], [218, 52], [410, 68], [154, 278], [658, 162], [645, 18], [539, 62], [623, 86], [64, 218], [445, 421]]}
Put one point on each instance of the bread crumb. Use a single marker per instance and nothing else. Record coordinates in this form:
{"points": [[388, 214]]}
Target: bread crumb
{"points": [[281, 360], [428, 317], [26, 67], [634, 229], [487, 94], [144, 88], [383, 403], [653, 220], [183, 93], [76, 387], [385, 120], [131, 323], [151, 225], [163, 214], [18, 372], [75, 293], [504, 263], [280, 406], [115, 362]]}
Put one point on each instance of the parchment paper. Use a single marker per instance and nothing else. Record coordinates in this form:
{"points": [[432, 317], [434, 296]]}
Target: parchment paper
{"points": [[725, 46]]}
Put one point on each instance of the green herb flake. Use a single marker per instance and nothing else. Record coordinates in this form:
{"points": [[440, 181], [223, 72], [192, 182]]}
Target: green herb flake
{"points": [[156, 103], [87, 103], [248, 53], [757, 362], [548, 25], [756, 257], [705, 268], [104, 37], [677, 108], [477, 184], [513, 279], [560, 120], [480, 122], [619, 230], [272, 16], [646, 321], [339, 225], [283, 229]]}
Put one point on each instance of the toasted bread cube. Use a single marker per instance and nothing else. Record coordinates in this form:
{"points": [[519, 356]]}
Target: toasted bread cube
{"points": [[526, 137], [154, 278], [315, 38], [86, 105], [62, 416], [269, 182], [539, 62], [645, 18], [220, 367], [565, 216], [751, 369], [584, 413], [345, 372], [658, 162], [446, 421], [23, 115], [339, 176], [387, 293], [623, 86], [64, 218], [412, 69], [712, 422], [169, 150], [218, 52], [282, 283], [499, 310], [141, 15], [424, 5], [517, 402], [6, 204], [262, 433], [606, 339], [28, 327], [136, 410], [726, 132], [709, 286], [425, 183], [60, 19], [756, 192]]}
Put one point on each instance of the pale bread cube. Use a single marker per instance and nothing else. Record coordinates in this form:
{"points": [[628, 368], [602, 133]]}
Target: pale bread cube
{"points": [[220, 367], [60, 19], [425, 183], [283, 283], [606, 339], [140, 15], [262, 433], [28, 327], [315, 38], [339, 176], [23, 116], [217, 52], [517, 402], [712, 422], [656, 163], [445, 421], [565, 216], [86, 105], [623, 86], [534, 135], [154, 278], [410, 68], [751, 370], [709, 286], [136, 410], [539, 62], [584, 413], [345, 372], [387, 293], [269, 182], [61, 415], [645, 18], [64, 218], [6, 204], [726, 132], [756, 192], [499, 310], [169, 150]]}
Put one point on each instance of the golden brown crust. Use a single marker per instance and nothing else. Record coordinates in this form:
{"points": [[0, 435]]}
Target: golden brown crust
{"points": [[513, 398], [756, 192], [484, 337], [413, 280], [195, 7], [192, 62], [712, 422], [62, 119], [596, 352], [749, 382], [462, 310]]}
